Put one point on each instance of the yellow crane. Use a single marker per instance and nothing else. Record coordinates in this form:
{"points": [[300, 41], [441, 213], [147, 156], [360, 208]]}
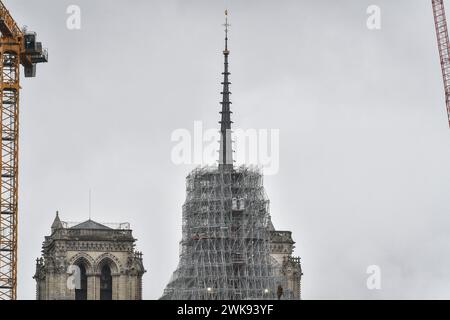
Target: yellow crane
{"points": [[17, 47]]}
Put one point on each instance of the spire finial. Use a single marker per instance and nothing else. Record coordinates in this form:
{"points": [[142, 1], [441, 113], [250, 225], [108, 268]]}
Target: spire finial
{"points": [[57, 224], [226, 152]]}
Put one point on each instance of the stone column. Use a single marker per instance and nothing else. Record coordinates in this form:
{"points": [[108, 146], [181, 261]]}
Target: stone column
{"points": [[115, 286], [93, 286], [57, 286], [45, 294]]}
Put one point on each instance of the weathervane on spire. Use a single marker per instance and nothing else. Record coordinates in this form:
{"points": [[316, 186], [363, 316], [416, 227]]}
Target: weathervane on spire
{"points": [[226, 25]]}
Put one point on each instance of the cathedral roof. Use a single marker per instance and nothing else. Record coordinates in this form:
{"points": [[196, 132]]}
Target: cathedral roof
{"points": [[92, 225]]}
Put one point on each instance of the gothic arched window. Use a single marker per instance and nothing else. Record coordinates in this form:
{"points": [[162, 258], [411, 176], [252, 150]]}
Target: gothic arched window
{"points": [[106, 283], [81, 292]]}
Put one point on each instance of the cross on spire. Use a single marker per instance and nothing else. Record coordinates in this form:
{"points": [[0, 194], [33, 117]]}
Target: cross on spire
{"points": [[226, 25], [226, 151]]}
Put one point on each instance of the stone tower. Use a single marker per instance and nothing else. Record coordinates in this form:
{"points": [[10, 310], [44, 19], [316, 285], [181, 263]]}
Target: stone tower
{"points": [[89, 261], [287, 267]]}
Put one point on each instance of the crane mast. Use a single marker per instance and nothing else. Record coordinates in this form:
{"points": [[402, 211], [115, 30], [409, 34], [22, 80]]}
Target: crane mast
{"points": [[17, 48], [440, 22]]}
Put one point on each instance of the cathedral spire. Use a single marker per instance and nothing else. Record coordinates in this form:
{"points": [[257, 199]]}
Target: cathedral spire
{"points": [[226, 152]]}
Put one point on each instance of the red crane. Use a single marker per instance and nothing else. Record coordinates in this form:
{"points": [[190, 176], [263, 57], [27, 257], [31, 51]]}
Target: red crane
{"points": [[440, 22]]}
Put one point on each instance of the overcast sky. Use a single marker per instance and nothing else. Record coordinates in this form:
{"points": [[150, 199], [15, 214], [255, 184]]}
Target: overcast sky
{"points": [[364, 173]]}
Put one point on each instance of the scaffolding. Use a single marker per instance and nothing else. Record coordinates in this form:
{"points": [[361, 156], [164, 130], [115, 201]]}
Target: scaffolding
{"points": [[225, 249]]}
